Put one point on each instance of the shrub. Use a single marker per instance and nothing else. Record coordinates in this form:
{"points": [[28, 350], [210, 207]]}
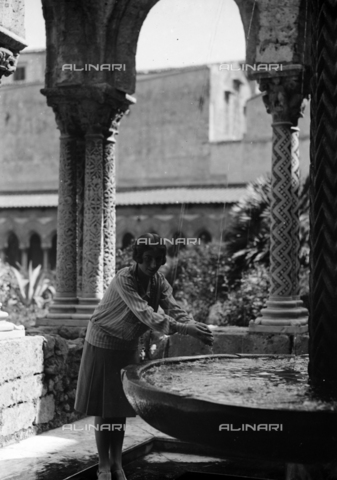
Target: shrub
{"points": [[124, 257], [244, 303], [198, 277]]}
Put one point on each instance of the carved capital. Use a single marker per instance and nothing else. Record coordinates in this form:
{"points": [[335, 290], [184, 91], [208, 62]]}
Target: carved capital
{"points": [[87, 110], [8, 62], [284, 97]]}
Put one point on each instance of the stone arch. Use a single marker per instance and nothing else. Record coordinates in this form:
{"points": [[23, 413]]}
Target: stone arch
{"points": [[52, 251], [33, 227], [204, 235], [35, 253], [122, 21], [12, 253], [173, 250], [127, 239]]}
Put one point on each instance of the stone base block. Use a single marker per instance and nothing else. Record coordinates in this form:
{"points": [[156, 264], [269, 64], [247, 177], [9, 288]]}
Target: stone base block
{"points": [[229, 340], [16, 418], [63, 321], [256, 343], [181, 346], [45, 409], [290, 329], [12, 334], [301, 344], [21, 390], [236, 340], [21, 357]]}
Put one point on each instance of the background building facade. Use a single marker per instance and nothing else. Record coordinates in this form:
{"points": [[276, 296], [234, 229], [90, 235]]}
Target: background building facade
{"points": [[185, 153]]}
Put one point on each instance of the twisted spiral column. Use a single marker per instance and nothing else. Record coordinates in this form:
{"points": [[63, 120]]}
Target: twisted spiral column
{"points": [[323, 176]]}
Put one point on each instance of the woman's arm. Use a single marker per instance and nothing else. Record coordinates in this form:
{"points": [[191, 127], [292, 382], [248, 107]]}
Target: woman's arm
{"points": [[162, 323]]}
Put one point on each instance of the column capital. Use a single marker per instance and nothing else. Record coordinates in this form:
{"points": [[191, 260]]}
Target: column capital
{"points": [[285, 97], [87, 110], [8, 62]]}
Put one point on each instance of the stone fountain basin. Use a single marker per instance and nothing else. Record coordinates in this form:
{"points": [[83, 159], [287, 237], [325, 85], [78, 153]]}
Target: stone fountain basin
{"points": [[306, 436]]}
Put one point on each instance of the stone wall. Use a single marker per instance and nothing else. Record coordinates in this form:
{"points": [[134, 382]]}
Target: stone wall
{"points": [[37, 384], [22, 389]]}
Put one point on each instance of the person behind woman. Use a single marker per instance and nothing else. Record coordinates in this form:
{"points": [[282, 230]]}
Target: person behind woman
{"points": [[127, 310]]}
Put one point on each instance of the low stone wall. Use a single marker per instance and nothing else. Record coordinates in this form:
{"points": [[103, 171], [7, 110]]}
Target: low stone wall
{"points": [[21, 387], [226, 340], [38, 378], [38, 374]]}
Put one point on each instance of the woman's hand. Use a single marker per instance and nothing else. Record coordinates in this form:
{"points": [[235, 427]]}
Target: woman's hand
{"points": [[201, 332]]}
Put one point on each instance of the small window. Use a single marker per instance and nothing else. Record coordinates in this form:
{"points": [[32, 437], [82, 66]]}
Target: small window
{"points": [[20, 74], [227, 96]]}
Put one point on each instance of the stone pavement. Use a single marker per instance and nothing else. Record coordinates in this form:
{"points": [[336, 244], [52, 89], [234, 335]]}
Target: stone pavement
{"points": [[69, 448]]}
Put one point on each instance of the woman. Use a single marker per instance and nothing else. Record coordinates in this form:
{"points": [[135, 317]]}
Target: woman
{"points": [[128, 308]]}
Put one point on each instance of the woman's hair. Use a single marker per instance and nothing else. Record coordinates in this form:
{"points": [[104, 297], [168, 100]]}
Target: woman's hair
{"points": [[146, 242]]}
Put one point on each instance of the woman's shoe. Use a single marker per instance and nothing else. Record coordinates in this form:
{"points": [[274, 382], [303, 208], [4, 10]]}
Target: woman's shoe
{"points": [[103, 476], [118, 475]]}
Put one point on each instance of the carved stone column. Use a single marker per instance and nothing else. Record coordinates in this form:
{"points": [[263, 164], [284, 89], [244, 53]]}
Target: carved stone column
{"points": [[323, 205], [80, 166], [92, 287], [88, 119], [66, 229], [109, 203], [45, 261], [295, 231], [24, 257], [283, 97]]}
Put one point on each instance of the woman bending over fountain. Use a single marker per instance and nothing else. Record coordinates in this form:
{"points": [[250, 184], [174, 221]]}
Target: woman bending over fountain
{"points": [[128, 309]]}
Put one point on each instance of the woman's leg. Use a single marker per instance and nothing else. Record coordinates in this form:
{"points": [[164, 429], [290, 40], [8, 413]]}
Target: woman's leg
{"points": [[102, 435], [109, 433], [116, 442]]}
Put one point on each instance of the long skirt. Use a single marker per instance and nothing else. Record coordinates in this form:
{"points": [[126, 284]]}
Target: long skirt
{"points": [[99, 387]]}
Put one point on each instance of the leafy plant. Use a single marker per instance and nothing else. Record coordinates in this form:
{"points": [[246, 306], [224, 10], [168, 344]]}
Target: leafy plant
{"points": [[248, 236], [33, 287]]}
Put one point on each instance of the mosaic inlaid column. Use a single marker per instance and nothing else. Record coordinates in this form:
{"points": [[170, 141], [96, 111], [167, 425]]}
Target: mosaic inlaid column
{"points": [[92, 284], [80, 167], [284, 311], [109, 202], [295, 231], [66, 225]]}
